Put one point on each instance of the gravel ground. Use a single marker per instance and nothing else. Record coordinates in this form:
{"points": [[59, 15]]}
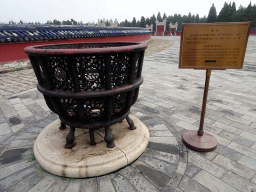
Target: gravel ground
{"points": [[156, 45]]}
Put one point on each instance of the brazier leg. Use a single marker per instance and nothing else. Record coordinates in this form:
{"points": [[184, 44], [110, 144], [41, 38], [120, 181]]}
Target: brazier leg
{"points": [[92, 138], [109, 138], [70, 138], [62, 126], [130, 122]]}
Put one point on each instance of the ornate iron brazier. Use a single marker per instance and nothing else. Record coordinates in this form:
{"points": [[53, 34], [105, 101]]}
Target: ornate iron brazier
{"points": [[89, 85]]}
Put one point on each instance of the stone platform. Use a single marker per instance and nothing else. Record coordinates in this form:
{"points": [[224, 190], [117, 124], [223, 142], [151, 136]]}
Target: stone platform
{"points": [[84, 160], [169, 104]]}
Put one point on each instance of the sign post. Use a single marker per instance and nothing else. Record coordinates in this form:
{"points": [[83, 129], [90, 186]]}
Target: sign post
{"points": [[211, 46]]}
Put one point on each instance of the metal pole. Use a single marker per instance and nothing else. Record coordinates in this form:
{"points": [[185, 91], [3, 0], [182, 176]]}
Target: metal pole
{"points": [[207, 80]]}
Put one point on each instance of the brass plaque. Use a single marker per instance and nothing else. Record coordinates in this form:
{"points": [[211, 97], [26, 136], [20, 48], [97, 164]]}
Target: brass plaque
{"points": [[213, 45]]}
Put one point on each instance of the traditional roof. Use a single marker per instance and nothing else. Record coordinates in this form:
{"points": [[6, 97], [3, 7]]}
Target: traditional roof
{"points": [[21, 33]]}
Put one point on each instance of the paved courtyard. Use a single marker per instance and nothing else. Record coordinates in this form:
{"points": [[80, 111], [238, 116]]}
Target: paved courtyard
{"points": [[169, 104]]}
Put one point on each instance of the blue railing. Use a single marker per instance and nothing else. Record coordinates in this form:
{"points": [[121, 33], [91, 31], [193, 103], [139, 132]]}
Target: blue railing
{"points": [[20, 33]]}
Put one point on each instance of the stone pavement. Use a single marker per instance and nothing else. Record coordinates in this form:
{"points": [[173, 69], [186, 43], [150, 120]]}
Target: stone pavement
{"points": [[169, 104]]}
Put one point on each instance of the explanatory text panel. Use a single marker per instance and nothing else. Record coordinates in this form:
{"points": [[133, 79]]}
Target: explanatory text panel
{"points": [[213, 45]]}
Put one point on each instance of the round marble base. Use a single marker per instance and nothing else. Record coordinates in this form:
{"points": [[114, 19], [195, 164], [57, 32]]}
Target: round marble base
{"points": [[84, 160]]}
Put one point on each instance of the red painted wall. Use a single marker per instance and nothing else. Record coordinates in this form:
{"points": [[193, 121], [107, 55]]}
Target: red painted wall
{"points": [[169, 32], [15, 51], [174, 31], [160, 30]]}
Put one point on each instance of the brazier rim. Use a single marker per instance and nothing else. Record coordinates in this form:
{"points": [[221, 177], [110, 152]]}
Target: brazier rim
{"points": [[124, 47]]}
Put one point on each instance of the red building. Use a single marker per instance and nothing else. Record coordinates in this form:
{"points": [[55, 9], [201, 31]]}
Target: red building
{"points": [[160, 27]]}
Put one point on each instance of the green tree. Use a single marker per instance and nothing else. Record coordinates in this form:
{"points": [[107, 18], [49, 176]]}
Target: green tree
{"points": [[107, 23], [134, 22], [239, 14], [233, 11], [12, 22], [197, 18], [234, 7], [126, 23], [159, 17], [164, 16], [142, 22], [73, 22], [175, 18], [169, 20], [67, 22], [254, 16], [193, 19], [180, 21], [189, 18], [148, 21], [248, 14], [56, 22], [203, 20], [212, 16], [153, 21], [138, 23], [225, 14], [121, 24], [49, 22], [184, 19]]}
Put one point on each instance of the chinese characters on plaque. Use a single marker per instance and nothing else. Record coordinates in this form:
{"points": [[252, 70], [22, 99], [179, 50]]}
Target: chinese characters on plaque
{"points": [[213, 45]]}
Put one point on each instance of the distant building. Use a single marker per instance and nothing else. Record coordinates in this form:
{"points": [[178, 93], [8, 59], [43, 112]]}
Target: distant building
{"points": [[160, 27], [113, 24], [91, 24], [149, 27], [102, 23], [172, 29]]}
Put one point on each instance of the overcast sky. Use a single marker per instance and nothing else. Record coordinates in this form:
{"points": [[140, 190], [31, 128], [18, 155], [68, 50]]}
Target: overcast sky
{"points": [[92, 10]]}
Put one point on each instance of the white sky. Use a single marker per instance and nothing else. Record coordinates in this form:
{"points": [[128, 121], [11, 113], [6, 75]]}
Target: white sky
{"points": [[92, 10]]}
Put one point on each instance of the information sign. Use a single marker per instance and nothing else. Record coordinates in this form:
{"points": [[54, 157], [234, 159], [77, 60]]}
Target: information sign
{"points": [[213, 45]]}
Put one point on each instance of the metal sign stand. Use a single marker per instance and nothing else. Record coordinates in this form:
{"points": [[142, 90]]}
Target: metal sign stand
{"points": [[198, 140], [211, 46]]}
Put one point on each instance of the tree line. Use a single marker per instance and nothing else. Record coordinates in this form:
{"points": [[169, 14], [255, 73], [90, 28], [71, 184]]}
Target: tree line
{"points": [[49, 22], [229, 13], [169, 19]]}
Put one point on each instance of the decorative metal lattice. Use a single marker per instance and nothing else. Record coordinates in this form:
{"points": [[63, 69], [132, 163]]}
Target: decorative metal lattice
{"points": [[59, 68], [85, 110], [120, 66], [69, 105], [90, 72], [94, 109], [119, 102], [137, 65]]}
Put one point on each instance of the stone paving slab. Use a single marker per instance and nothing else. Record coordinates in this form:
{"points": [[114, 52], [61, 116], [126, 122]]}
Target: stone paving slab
{"points": [[169, 104]]}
